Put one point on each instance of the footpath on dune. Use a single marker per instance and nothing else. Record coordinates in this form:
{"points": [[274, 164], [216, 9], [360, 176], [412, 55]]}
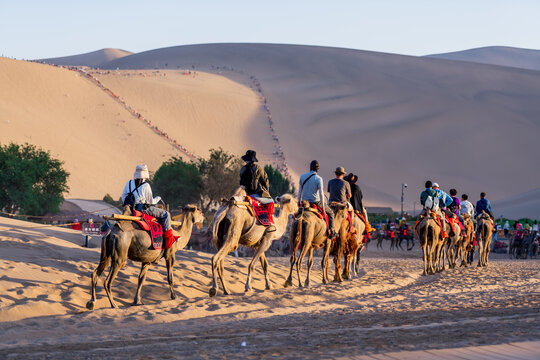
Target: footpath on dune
{"points": [[45, 277]]}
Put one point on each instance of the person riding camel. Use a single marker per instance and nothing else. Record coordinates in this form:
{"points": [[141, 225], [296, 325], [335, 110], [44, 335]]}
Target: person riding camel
{"points": [[255, 181], [356, 198], [455, 206], [310, 189], [138, 194], [253, 177], [429, 198], [340, 190], [484, 205], [444, 201], [467, 208]]}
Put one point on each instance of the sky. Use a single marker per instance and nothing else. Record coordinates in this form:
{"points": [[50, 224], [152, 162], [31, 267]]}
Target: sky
{"points": [[42, 29]]}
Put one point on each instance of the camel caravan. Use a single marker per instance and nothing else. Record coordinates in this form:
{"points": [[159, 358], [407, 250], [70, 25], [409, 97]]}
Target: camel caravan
{"points": [[446, 229], [146, 233]]}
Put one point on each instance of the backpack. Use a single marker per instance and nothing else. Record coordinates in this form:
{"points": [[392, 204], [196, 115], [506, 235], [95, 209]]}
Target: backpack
{"points": [[130, 198], [432, 203], [248, 178]]}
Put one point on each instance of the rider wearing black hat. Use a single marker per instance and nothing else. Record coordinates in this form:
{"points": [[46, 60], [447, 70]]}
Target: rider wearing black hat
{"points": [[253, 177]]}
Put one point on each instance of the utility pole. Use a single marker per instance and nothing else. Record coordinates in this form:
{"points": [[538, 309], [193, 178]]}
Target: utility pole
{"points": [[403, 186]]}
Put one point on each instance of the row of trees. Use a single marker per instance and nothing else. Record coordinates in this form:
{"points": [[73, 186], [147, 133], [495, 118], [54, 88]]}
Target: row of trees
{"points": [[206, 182], [31, 181]]}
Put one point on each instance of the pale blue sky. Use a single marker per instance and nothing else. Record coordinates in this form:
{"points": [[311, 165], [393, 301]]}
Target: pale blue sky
{"points": [[40, 29]]}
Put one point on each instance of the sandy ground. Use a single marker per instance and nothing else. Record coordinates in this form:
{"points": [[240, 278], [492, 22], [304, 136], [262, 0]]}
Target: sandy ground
{"points": [[44, 285], [100, 142]]}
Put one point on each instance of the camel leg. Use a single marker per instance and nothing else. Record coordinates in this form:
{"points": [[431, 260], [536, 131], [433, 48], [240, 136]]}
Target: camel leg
{"points": [[115, 267], [289, 280], [324, 261], [142, 277], [480, 252], [222, 277], [264, 265], [104, 262], [307, 237], [425, 258], [309, 265], [337, 262], [265, 244], [169, 262], [346, 265]]}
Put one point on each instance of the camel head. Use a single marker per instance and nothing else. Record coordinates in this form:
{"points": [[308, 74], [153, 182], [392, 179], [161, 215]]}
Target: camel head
{"points": [[287, 203], [193, 211]]}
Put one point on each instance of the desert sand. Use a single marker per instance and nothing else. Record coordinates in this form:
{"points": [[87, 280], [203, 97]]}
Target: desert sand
{"points": [[91, 59], [101, 142], [389, 118], [45, 278], [497, 55]]}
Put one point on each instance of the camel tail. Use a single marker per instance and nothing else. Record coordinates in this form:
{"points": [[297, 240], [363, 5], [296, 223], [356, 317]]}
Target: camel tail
{"points": [[105, 254]]}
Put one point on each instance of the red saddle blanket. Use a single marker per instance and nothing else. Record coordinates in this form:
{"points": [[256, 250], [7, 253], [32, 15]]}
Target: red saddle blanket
{"points": [[150, 224], [456, 220], [263, 212], [320, 213]]}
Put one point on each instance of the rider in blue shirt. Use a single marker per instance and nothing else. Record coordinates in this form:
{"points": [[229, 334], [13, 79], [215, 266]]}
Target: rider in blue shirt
{"points": [[483, 205]]}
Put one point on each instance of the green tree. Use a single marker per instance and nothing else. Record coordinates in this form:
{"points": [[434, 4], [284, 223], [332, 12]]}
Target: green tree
{"points": [[278, 183], [178, 182], [31, 181], [220, 173]]}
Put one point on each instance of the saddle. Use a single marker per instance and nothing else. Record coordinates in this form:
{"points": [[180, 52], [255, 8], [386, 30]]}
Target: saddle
{"points": [[262, 209], [155, 230]]}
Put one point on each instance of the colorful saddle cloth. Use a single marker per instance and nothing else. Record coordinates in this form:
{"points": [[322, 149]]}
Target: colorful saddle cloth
{"points": [[264, 213], [150, 224]]}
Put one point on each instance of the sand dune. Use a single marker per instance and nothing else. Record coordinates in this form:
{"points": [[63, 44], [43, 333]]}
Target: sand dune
{"points": [[45, 277], [91, 59], [389, 118], [497, 55], [520, 206], [100, 142]]}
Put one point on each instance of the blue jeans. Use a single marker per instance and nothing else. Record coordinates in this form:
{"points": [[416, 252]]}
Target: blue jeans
{"points": [[162, 216]]}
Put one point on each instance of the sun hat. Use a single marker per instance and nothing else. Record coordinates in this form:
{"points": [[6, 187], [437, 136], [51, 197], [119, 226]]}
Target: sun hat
{"points": [[251, 155], [435, 185], [141, 172], [340, 170]]}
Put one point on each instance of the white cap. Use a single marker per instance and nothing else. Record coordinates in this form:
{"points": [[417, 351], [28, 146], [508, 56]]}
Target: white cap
{"points": [[435, 185], [141, 172]]}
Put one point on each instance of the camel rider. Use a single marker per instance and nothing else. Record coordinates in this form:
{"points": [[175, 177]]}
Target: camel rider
{"points": [[311, 190], [467, 208], [428, 193], [340, 190], [444, 201], [253, 177], [455, 206], [356, 198], [484, 205], [429, 198], [140, 191]]}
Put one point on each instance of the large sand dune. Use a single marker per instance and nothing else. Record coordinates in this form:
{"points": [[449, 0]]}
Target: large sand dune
{"points": [[91, 59], [497, 55], [45, 278], [389, 118], [101, 142]]}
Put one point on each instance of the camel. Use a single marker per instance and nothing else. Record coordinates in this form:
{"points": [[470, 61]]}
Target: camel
{"points": [[125, 242], [309, 231], [429, 234], [483, 237], [233, 225], [353, 246], [465, 241]]}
